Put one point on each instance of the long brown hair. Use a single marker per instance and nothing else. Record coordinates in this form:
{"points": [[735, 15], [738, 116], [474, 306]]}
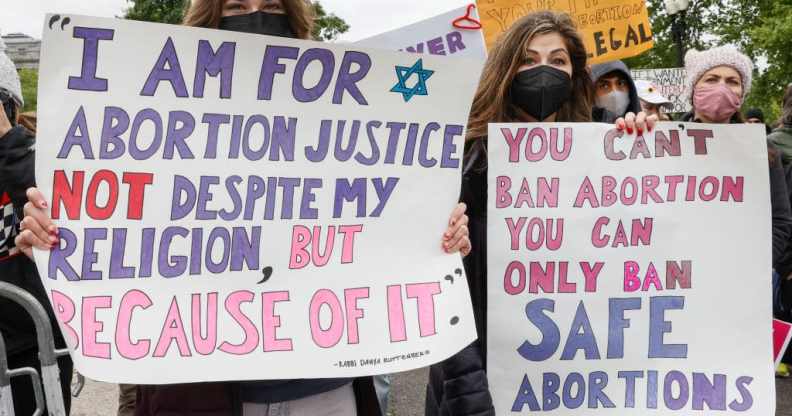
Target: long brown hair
{"points": [[28, 120], [492, 103], [207, 13]]}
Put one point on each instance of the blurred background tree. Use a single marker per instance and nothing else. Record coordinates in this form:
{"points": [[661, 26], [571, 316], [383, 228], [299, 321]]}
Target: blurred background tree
{"points": [[160, 11], [327, 27]]}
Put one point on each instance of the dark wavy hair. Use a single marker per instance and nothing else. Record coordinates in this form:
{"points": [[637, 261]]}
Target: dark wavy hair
{"points": [[492, 103]]}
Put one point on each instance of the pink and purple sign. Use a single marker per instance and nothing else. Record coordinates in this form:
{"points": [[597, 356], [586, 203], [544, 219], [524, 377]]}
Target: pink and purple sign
{"points": [[617, 270], [241, 207]]}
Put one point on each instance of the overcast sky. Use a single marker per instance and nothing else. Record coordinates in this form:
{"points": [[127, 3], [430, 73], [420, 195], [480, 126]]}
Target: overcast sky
{"points": [[366, 17]]}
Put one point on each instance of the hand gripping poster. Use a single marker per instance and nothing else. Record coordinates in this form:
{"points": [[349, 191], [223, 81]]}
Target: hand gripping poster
{"points": [[240, 207], [629, 275]]}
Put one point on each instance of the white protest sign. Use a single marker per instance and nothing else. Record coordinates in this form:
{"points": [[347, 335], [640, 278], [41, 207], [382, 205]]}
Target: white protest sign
{"points": [[436, 36], [240, 207], [670, 83], [629, 276]]}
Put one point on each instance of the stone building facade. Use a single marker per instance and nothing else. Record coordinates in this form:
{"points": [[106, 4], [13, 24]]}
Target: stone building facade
{"points": [[23, 50]]}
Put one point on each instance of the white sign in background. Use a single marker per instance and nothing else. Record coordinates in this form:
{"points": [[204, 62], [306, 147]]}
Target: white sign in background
{"points": [[633, 338], [284, 262], [435, 36], [671, 84]]}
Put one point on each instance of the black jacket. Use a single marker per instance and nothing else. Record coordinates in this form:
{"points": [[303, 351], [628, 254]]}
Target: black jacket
{"points": [[784, 265], [458, 386], [779, 197], [17, 173]]}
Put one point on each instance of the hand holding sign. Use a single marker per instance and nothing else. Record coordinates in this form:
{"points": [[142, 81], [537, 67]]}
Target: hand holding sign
{"points": [[598, 297], [284, 216]]}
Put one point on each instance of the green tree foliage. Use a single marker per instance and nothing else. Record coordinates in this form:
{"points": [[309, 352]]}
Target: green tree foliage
{"points": [[760, 28], [327, 27], [29, 79], [160, 11]]}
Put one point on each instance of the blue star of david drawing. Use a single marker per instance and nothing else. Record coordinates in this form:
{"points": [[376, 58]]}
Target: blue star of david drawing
{"points": [[405, 73]]}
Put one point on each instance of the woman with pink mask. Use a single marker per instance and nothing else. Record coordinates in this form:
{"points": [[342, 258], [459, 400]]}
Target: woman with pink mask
{"points": [[718, 80]]}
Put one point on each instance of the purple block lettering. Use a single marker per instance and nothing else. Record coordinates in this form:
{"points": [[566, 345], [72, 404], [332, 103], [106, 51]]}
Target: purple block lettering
{"points": [[58, 256], [214, 63], [87, 81], [168, 69], [327, 60], [271, 66], [181, 125], [347, 80], [90, 256], [116, 123], [117, 268], [77, 136], [134, 150]]}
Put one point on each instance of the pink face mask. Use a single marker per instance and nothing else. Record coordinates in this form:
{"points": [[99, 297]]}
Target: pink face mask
{"points": [[717, 103]]}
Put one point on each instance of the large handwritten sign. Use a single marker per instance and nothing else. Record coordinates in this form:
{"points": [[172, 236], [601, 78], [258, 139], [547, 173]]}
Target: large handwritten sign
{"points": [[671, 84], [611, 29], [234, 206], [436, 36], [629, 274]]}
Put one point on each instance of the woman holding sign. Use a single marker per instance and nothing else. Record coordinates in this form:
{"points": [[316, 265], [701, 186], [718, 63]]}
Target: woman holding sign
{"points": [[718, 80], [535, 73], [314, 397]]}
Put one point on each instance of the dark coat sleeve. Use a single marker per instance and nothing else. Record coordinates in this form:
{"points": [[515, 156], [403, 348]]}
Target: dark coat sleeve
{"points": [[779, 202], [458, 386], [17, 163], [466, 389], [784, 265]]}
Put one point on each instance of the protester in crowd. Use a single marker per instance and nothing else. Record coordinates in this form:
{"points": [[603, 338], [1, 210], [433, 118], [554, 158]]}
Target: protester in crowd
{"points": [[782, 289], [718, 80], [535, 72], [17, 173], [782, 135], [315, 397], [615, 92], [652, 102], [756, 116]]}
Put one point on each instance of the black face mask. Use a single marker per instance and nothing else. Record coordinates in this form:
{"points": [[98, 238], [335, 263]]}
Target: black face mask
{"points": [[541, 91], [260, 23]]}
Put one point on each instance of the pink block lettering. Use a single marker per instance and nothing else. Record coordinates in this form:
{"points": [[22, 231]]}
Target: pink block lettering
{"points": [[126, 347], [424, 294]]}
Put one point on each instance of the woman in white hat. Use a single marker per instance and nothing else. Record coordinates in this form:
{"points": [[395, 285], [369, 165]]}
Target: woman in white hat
{"points": [[652, 102]]}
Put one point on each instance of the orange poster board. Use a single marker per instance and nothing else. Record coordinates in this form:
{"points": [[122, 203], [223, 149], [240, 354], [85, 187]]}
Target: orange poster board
{"points": [[611, 29]]}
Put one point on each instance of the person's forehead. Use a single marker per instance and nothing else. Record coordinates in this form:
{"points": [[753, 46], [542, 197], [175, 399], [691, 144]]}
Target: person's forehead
{"points": [[723, 71], [547, 43], [613, 76]]}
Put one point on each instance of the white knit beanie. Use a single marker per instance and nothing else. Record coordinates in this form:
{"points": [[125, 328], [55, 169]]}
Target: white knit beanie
{"points": [[699, 62], [9, 78]]}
